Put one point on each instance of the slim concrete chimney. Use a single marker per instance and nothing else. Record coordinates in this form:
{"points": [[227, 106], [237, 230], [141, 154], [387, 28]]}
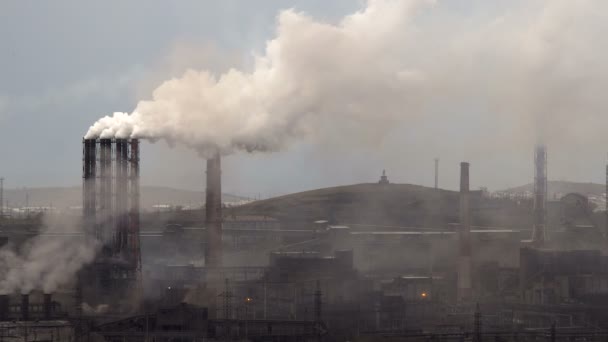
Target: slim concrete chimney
{"points": [[213, 212], [465, 288], [3, 307], [606, 198], [48, 306], [436, 173], [25, 307], [540, 195]]}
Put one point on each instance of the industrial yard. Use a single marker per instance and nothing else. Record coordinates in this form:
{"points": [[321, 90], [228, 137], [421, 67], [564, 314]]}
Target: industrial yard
{"points": [[361, 262]]}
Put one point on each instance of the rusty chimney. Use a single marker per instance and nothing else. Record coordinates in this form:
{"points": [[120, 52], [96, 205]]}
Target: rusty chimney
{"points": [[213, 212], [3, 307], [25, 307], [465, 288], [48, 306]]}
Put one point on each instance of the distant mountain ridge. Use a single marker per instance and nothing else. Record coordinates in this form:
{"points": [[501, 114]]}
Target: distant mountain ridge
{"points": [[66, 197], [563, 187]]}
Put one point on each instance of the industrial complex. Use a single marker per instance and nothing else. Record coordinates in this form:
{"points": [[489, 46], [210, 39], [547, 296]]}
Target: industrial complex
{"points": [[363, 262]]}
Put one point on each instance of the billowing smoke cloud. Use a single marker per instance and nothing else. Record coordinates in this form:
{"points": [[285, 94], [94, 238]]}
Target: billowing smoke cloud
{"points": [[46, 261], [533, 69]]}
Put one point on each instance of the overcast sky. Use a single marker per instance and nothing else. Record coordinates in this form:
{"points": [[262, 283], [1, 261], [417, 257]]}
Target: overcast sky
{"points": [[66, 63]]}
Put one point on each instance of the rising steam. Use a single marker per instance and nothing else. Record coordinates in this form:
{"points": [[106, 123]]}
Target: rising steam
{"points": [[48, 260], [527, 67]]}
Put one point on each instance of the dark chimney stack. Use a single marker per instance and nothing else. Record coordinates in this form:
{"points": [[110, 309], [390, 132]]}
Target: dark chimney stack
{"points": [[213, 212], [25, 307], [465, 288], [3, 307], [48, 306]]}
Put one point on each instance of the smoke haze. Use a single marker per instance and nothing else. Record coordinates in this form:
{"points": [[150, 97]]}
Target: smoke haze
{"points": [[533, 70], [48, 260]]}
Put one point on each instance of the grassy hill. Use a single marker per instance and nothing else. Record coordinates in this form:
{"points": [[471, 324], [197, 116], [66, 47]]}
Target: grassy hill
{"points": [[387, 205]]}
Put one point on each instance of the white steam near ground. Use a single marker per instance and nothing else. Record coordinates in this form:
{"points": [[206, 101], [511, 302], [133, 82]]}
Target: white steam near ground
{"points": [[534, 68], [46, 261]]}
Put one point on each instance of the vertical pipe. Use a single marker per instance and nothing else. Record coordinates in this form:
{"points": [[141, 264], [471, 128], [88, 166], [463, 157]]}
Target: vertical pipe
{"points": [[540, 195], [1, 197], [464, 290], [89, 191], [606, 198], [105, 193], [48, 306], [134, 220], [3, 307], [121, 184], [25, 307], [436, 173], [213, 212]]}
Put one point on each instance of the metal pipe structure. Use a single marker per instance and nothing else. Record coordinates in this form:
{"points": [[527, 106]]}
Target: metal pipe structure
{"points": [[25, 307], [213, 212], [465, 288], [133, 241], [105, 232], [122, 200], [540, 196], [89, 185]]}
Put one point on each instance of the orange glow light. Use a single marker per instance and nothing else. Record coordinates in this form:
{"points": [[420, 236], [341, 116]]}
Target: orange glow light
{"points": [[423, 295]]}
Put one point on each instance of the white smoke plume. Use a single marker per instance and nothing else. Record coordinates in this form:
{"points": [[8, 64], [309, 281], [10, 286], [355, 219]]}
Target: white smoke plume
{"points": [[533, 68], [47, 261]]}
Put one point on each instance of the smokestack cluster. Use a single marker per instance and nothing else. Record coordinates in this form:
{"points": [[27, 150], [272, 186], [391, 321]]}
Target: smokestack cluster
{"points": [[115, 221], [213, 212], [464, 287]]}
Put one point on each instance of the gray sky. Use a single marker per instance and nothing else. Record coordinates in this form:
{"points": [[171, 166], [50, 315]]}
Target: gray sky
{"points": [[66, 63]]}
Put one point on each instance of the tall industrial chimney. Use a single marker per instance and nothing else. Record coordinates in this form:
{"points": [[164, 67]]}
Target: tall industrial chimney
{"points": [[465, 288], [436, 173], [213, 212], [540, 195]]}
